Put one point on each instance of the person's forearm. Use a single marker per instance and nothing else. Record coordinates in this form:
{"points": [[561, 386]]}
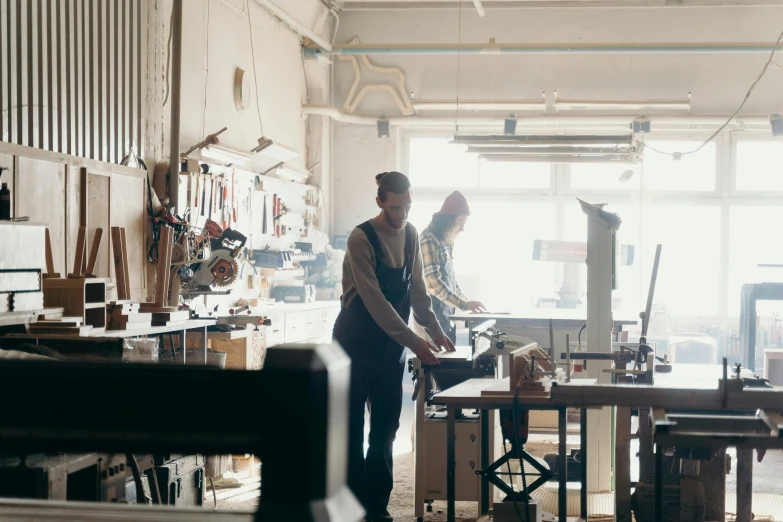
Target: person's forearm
{"points": [[438, 289]]}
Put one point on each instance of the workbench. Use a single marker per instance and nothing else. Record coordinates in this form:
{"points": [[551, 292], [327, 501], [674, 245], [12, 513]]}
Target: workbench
{"points": [[467, 395], [108, 343], [534, 323]]}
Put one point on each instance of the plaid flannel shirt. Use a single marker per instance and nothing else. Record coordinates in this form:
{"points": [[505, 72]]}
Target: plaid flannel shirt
{"points": [[435, 253]]}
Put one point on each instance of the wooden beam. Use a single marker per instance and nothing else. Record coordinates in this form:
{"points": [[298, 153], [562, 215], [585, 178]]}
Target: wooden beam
{"points": [[96, 246]]}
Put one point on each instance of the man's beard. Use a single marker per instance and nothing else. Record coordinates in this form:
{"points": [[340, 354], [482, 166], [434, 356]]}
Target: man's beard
{"points": [[396, 225]]}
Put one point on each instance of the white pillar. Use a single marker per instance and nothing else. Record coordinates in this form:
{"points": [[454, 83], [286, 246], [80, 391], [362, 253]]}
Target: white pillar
{"points": [[600, 261]]}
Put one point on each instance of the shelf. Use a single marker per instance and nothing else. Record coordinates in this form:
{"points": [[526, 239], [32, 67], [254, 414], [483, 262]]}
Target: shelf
{"points": [[90, 306]]}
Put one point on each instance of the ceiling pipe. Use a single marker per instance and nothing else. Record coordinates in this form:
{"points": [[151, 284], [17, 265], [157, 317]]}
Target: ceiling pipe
{"points": [[532, 49], [543, 121], [429, 106], [479, 7], [296, 26]]}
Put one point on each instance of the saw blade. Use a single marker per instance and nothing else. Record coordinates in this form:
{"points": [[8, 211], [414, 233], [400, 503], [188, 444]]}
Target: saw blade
{"points": [[225, 273]]}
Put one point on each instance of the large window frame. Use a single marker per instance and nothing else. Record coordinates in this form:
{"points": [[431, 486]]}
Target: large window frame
{"points": [[724, 196]]}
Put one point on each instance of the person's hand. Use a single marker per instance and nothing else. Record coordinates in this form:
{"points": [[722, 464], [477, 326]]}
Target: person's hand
{"points": [[444, 343], [477, 307], [424, 351]]}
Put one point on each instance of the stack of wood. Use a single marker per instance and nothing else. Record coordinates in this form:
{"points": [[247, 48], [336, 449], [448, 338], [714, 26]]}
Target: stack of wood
{"points": [[125, 315], [165, 315], [61, 326]]}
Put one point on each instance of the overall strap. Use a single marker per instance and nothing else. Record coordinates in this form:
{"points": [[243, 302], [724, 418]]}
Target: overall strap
{"points": [[410, 248], [375, 242]]}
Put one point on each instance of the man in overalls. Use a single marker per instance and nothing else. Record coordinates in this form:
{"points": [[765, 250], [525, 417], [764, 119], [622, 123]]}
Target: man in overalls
{"points": [[437, 244], [382, 282]]}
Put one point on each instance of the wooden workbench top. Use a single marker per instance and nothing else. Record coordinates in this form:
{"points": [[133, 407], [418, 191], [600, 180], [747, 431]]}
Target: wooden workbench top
{"points": [[468, 395], [543, 314]]}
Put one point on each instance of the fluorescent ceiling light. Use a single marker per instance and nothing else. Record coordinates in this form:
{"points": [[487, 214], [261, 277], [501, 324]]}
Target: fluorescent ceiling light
{"points": [[425, 106], [548, 158], [290, 173], [267, 147], [224, 155], [479, 7], [585, 151], [648, 106], [543, 140]]}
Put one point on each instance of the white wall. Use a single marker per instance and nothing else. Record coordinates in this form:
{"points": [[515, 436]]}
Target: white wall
{"points": [[279, 68], [717, 82]]}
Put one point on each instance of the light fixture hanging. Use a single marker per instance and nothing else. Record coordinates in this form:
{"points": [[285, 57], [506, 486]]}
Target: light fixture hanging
{"points": [[224, 156], [267, 147]]}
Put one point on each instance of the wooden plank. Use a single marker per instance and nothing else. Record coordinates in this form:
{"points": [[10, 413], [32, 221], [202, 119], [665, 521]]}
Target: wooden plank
{"points": [[119, 265], [79, 257], [131, 318], [129, 211], [125, 265], [82, 330], [49, 259], [96, 246], [41, 195], [153, 309], [164, 253], [98, 201], [59, 323]]}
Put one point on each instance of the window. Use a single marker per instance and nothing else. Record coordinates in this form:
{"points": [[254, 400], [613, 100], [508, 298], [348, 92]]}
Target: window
{"points": [[493, 258], [514, 175], [694, 172], [434, 162], [689, 272], [752, 241], [605, 176], [760, 165]]}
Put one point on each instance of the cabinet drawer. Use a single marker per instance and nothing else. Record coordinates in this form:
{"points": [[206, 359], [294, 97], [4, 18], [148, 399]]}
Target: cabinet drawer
{"points": [[303, 326], [275, 333]]}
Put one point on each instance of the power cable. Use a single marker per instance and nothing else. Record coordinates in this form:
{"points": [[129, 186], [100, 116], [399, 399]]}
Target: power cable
{"points": [[744, 101], [255, 73]]}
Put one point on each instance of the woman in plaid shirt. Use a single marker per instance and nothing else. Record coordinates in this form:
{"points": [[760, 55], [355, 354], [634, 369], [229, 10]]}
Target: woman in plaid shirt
{"points": [[437, 244]]}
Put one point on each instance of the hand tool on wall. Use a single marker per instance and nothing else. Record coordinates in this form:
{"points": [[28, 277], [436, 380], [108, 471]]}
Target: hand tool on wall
{"points": [[211, 139], [211, 195], [198, 180], [225, 205], [214, 199], [203, 196], [263, 220], [233, 196]]}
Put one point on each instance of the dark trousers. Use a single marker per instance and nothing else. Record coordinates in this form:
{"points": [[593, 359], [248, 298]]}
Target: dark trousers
{"points": [[377, 385]]}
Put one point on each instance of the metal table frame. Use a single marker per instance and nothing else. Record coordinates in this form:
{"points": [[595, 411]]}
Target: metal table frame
{"points": [[667, 433], [470, 403]]}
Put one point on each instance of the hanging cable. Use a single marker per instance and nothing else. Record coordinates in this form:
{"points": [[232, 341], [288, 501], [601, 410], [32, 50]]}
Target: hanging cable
{"points": [[168, 61], [255, 73], [744, 101], [206, 73], [459, 55]]}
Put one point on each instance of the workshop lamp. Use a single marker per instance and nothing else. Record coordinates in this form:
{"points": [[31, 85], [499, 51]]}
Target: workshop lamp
{"points": [[267, 147], [641, 125]]}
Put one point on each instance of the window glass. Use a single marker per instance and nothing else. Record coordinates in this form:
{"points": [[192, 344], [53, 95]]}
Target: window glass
{"points": [[760, 165], [688, 274], [435, 162], [694, 172], [752, 242], [514, 175], [493, 258], [605, 176]]}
